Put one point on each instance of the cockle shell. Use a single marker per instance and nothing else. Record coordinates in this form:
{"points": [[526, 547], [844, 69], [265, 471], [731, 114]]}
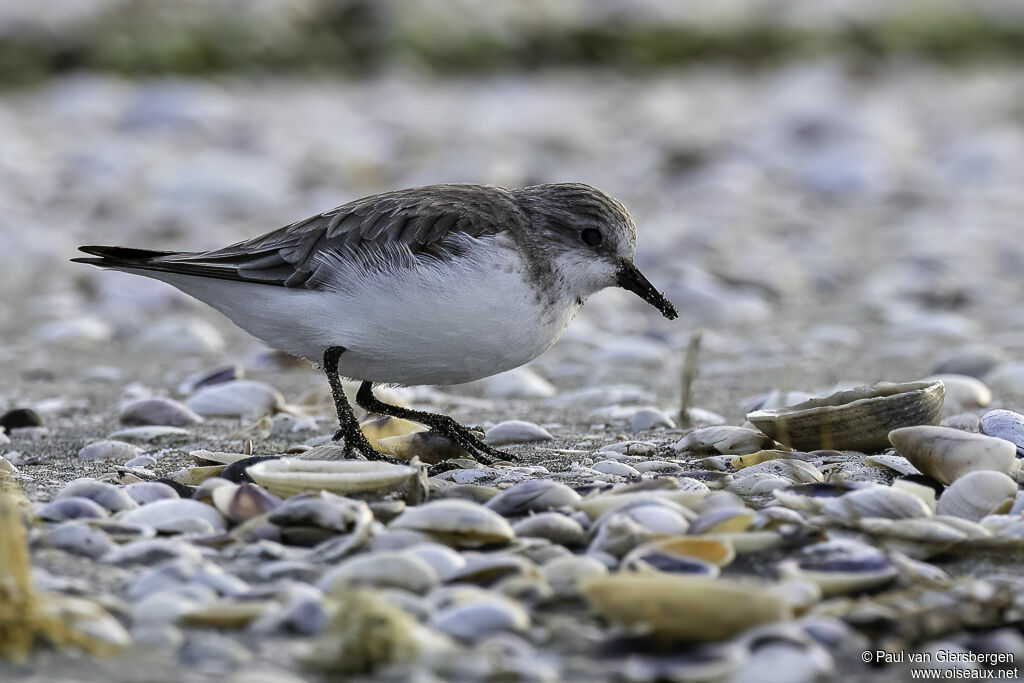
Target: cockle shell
{"points": [[857, 419], [978, 494]]}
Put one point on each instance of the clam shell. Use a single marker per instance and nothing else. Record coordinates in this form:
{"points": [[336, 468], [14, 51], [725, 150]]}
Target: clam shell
{"points": [[683, 607], [877, 501], [1005, 424], [945, 454], [712, 549], [533, 495], [382, 570], [288, 476], [456, 521], [857, 419], [978, 494], [237, 398], [840, 567]]}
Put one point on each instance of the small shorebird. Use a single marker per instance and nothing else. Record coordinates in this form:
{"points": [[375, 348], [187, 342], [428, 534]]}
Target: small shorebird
{"points": [[431, 285]]}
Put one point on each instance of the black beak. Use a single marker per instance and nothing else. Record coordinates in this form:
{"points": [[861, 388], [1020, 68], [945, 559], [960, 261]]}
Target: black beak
{"points": [[629, 277]]}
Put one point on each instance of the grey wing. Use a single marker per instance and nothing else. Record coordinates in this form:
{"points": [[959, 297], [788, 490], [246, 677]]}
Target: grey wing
{"points": [[389, 230]]}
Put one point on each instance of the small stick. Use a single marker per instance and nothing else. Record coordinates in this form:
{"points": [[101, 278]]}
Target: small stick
{"points": [[689, 375]]}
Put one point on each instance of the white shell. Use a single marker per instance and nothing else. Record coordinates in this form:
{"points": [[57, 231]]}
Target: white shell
{"points": [[109, 448], [456, 520], [238, 398], [169, 514], [516, 431], [946, 454], [978, 494], [723, 440], [288, 476]]}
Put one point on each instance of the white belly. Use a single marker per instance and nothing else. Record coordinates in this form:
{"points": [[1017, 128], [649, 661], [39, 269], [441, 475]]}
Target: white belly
{"points": [[452, 323]]}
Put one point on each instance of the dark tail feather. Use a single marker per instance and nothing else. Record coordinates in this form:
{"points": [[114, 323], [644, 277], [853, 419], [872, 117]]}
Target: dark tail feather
{"points": [[118, 256]]}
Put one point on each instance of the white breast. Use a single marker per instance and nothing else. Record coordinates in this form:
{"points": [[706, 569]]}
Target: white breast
{"points": [[451, 322]]}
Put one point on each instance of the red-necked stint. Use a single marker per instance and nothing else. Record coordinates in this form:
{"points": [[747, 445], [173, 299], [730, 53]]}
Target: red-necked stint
{"points": [[431, 285]]}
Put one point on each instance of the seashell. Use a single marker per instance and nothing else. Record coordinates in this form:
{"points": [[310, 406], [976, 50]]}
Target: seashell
{"points": [[644, 559], [486, 569], [323, 510], [167, 515], [857, 419], [897, 463], [617, 535], [655, 516], [429, 447], [141, 461], [385, 426], [965, 422], [204, 378], [789, 468], [946, 454], [226, 614], [723, 440], [732, 463], [205, 458], [723, 520], [72, 507], [532, 495], [963, 392], [473, 622], [918, 538], [80, 539], [148, 433], [648, 419], [238, 398], [813, 497], [381, 570], [112, 498], [617, 469], [516, 431], [798, 594], [775, 516], [876, 501], [656, 603], [194, 476], [630, 447], [457, 522], [978, 494], [158, 411], [840, 567], [288, 476], [564, 574], [925, 493], [243, 501], [597, 505], [443, 559], [553, 526], [149, 552], [108, 449], [757, 484], [1005, 424], [718, 551]]}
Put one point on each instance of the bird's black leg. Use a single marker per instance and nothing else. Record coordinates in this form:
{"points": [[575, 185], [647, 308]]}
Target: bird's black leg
{"points": [[355, 440], [439, 424]]}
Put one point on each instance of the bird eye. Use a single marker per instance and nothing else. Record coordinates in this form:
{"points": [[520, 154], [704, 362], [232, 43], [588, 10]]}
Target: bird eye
{"points": [[592, 237]]}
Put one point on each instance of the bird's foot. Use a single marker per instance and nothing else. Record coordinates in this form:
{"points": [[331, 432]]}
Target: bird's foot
{"points": [[357, 441], [460, 434]]}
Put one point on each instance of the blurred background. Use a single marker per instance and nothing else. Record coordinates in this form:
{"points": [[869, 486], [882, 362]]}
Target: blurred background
{"points": [[832, 190]]}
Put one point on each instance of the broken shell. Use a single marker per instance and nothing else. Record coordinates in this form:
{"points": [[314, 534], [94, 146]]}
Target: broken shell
{"points": [[382, 570], [288, 476], [795, 470], [385, 426], [240, 502], [858, 419], [723, 440], [194, 476], [1005, 424], [732, 463], [978, 494], [925, 493], [681, 607], [840, 567], [945, 454], [897, 463], [456, 521], [533, 495], [876, 501], [429, 447], [206, 458]]}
